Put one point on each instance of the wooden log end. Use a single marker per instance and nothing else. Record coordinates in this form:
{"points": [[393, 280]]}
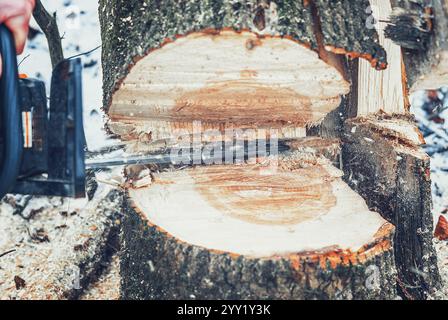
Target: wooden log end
{"points": [[232, 232], [222, 78]]}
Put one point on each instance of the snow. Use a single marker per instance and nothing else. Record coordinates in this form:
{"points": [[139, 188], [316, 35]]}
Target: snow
{"points": [[45, 243], [79, 26], [48, 263]]}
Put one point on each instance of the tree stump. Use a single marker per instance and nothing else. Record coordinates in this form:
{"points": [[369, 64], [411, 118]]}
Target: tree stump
{"points": [[196, 72], [229, 232], [384, 163]]}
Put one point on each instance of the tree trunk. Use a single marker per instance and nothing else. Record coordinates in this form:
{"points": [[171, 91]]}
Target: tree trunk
{"points": [[251, 55], [184, 72], [383, 161], [228, 232]]}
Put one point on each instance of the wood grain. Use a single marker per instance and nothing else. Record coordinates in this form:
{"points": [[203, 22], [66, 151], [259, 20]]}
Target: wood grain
{"points": [[382, 90]]}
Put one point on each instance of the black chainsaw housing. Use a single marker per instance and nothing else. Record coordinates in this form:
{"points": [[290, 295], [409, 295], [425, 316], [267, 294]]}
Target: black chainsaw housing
{"points": [[42, 150], [33, 99], [54, 166]]}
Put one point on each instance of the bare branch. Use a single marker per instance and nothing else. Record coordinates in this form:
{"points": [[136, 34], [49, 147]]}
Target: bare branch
{"points": [[7, 252], [49, 26]]}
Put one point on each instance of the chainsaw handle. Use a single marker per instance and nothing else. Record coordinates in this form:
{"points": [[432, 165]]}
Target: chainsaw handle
{"points": [[10, 115]]}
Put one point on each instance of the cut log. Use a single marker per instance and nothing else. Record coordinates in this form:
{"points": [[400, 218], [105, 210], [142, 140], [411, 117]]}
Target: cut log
{"points": [[229, 232], [249, 64], [423, 34], [233, 77]]}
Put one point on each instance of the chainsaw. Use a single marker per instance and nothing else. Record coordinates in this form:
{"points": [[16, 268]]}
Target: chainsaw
{"points": [[43, 149]]}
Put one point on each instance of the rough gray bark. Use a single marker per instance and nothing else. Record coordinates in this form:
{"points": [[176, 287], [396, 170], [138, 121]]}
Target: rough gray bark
{"points": [[345, 28], [131, 29], [393, 176], [155, 265]]}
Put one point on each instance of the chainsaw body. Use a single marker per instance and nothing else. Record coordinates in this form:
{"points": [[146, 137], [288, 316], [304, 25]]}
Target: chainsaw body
{"points": [[41, 148]]}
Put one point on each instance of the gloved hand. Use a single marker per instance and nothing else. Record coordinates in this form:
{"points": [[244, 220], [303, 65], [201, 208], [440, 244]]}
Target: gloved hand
{"points": [[16, 15]]}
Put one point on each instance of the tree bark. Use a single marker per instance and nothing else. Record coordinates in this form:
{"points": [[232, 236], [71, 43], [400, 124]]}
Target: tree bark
{"points": [[427, 66], [392, 173], [49, 26], [167, 268]]}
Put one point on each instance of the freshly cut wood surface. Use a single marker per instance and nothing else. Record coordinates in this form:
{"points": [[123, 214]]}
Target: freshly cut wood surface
{"points": [[242, 210], [244, 64], [235, 232], [227, 78], [383, 90]]}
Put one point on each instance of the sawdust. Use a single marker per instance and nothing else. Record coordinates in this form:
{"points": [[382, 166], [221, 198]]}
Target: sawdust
{"points": [[58, 251]]}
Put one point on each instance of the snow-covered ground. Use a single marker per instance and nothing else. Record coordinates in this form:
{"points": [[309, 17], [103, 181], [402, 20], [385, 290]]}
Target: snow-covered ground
{"points": [[40, 262]]}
